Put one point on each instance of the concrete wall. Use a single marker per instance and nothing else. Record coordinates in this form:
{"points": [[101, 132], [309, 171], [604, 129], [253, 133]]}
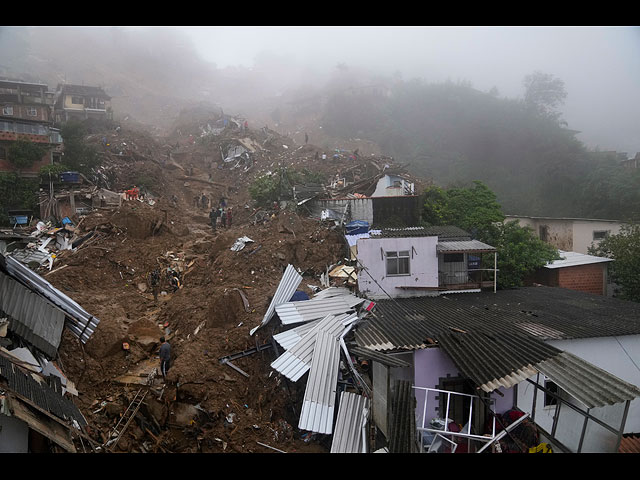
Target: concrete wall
{"points": [[423, 266], [574, 235], [583, 233]]}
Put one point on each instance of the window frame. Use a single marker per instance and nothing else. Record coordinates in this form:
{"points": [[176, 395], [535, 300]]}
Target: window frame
{"points": [[398, 255], [604, 232], [7, 110]]}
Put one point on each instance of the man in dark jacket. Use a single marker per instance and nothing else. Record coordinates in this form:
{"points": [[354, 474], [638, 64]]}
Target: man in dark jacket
{"points": [[165, 357], [213, 216]]}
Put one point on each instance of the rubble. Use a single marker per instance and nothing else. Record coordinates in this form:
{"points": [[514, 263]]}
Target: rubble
{"points": [[215, 286]]}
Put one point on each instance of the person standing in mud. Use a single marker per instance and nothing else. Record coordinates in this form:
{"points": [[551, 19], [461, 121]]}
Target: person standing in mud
{"points": [[223, 218], [154, 279], [165, 357], [229, 216], [213, 216]]}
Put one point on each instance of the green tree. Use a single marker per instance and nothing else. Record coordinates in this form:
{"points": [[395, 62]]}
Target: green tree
{"points": [[520, 253], [24, 153], [474, 209], [78, 155], [17, 192], [624, 248]]}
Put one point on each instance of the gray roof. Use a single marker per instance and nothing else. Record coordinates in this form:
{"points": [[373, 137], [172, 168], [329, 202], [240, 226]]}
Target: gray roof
{"points": [[33, 318], [47, 397], [445, 232], [496, 340], [456, 246], [79, 321]]}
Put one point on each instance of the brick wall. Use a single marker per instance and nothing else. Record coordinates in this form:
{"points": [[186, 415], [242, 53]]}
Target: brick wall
{"points": [[584, 278]]}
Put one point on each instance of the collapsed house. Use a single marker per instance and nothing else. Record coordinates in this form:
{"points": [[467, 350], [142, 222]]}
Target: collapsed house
{"points": [[384, 197], [35, 396]]}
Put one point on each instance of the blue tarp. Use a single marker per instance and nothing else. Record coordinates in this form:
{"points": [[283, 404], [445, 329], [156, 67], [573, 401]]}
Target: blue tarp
{"points": [[357, 226], [299, 295]]}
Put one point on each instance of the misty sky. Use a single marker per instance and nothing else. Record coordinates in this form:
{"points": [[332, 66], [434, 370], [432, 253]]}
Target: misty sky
{"points": [[599, 65]]}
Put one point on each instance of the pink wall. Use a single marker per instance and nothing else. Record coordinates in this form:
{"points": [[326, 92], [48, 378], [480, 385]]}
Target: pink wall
{"points": [[430, 365], [423, 266]]}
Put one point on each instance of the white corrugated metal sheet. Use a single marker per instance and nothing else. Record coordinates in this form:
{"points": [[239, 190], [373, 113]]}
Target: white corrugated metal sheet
{"points": [[289, 338], [320, 395], [288, 284], [317, 307], [296, 361], [464, 246], [353, 413], [574, 259]]}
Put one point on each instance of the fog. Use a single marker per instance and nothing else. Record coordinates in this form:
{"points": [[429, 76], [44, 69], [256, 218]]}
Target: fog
{"points": [[600, 66], [235, 66]]}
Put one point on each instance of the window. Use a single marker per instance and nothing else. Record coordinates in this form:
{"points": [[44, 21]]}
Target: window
{"points": [[550, 400], [3, 153], [600, 234], [77, 100], [32, 111], [7, 110], [453, 257], [398, 263]]}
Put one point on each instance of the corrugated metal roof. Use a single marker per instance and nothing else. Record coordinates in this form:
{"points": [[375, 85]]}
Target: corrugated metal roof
{"points": [[593, 386], [319, 400], [289, 338], [286, 288], [79, 321], [308, 310], [443, 232], [353, 413], [574, 259], [41, 394], [464, 246], [296, 361], [482, 336], [542, 312], [384, 358], [32, 317]]}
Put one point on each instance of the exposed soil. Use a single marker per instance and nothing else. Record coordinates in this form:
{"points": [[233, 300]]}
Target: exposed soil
{"points": [[206, 406]]}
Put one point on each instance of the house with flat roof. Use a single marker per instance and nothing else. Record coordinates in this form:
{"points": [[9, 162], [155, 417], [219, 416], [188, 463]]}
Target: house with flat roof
{"points": [[417, 261]]}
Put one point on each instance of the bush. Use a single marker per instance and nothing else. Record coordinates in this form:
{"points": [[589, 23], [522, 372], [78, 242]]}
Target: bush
{"points": [[23, 154]]}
